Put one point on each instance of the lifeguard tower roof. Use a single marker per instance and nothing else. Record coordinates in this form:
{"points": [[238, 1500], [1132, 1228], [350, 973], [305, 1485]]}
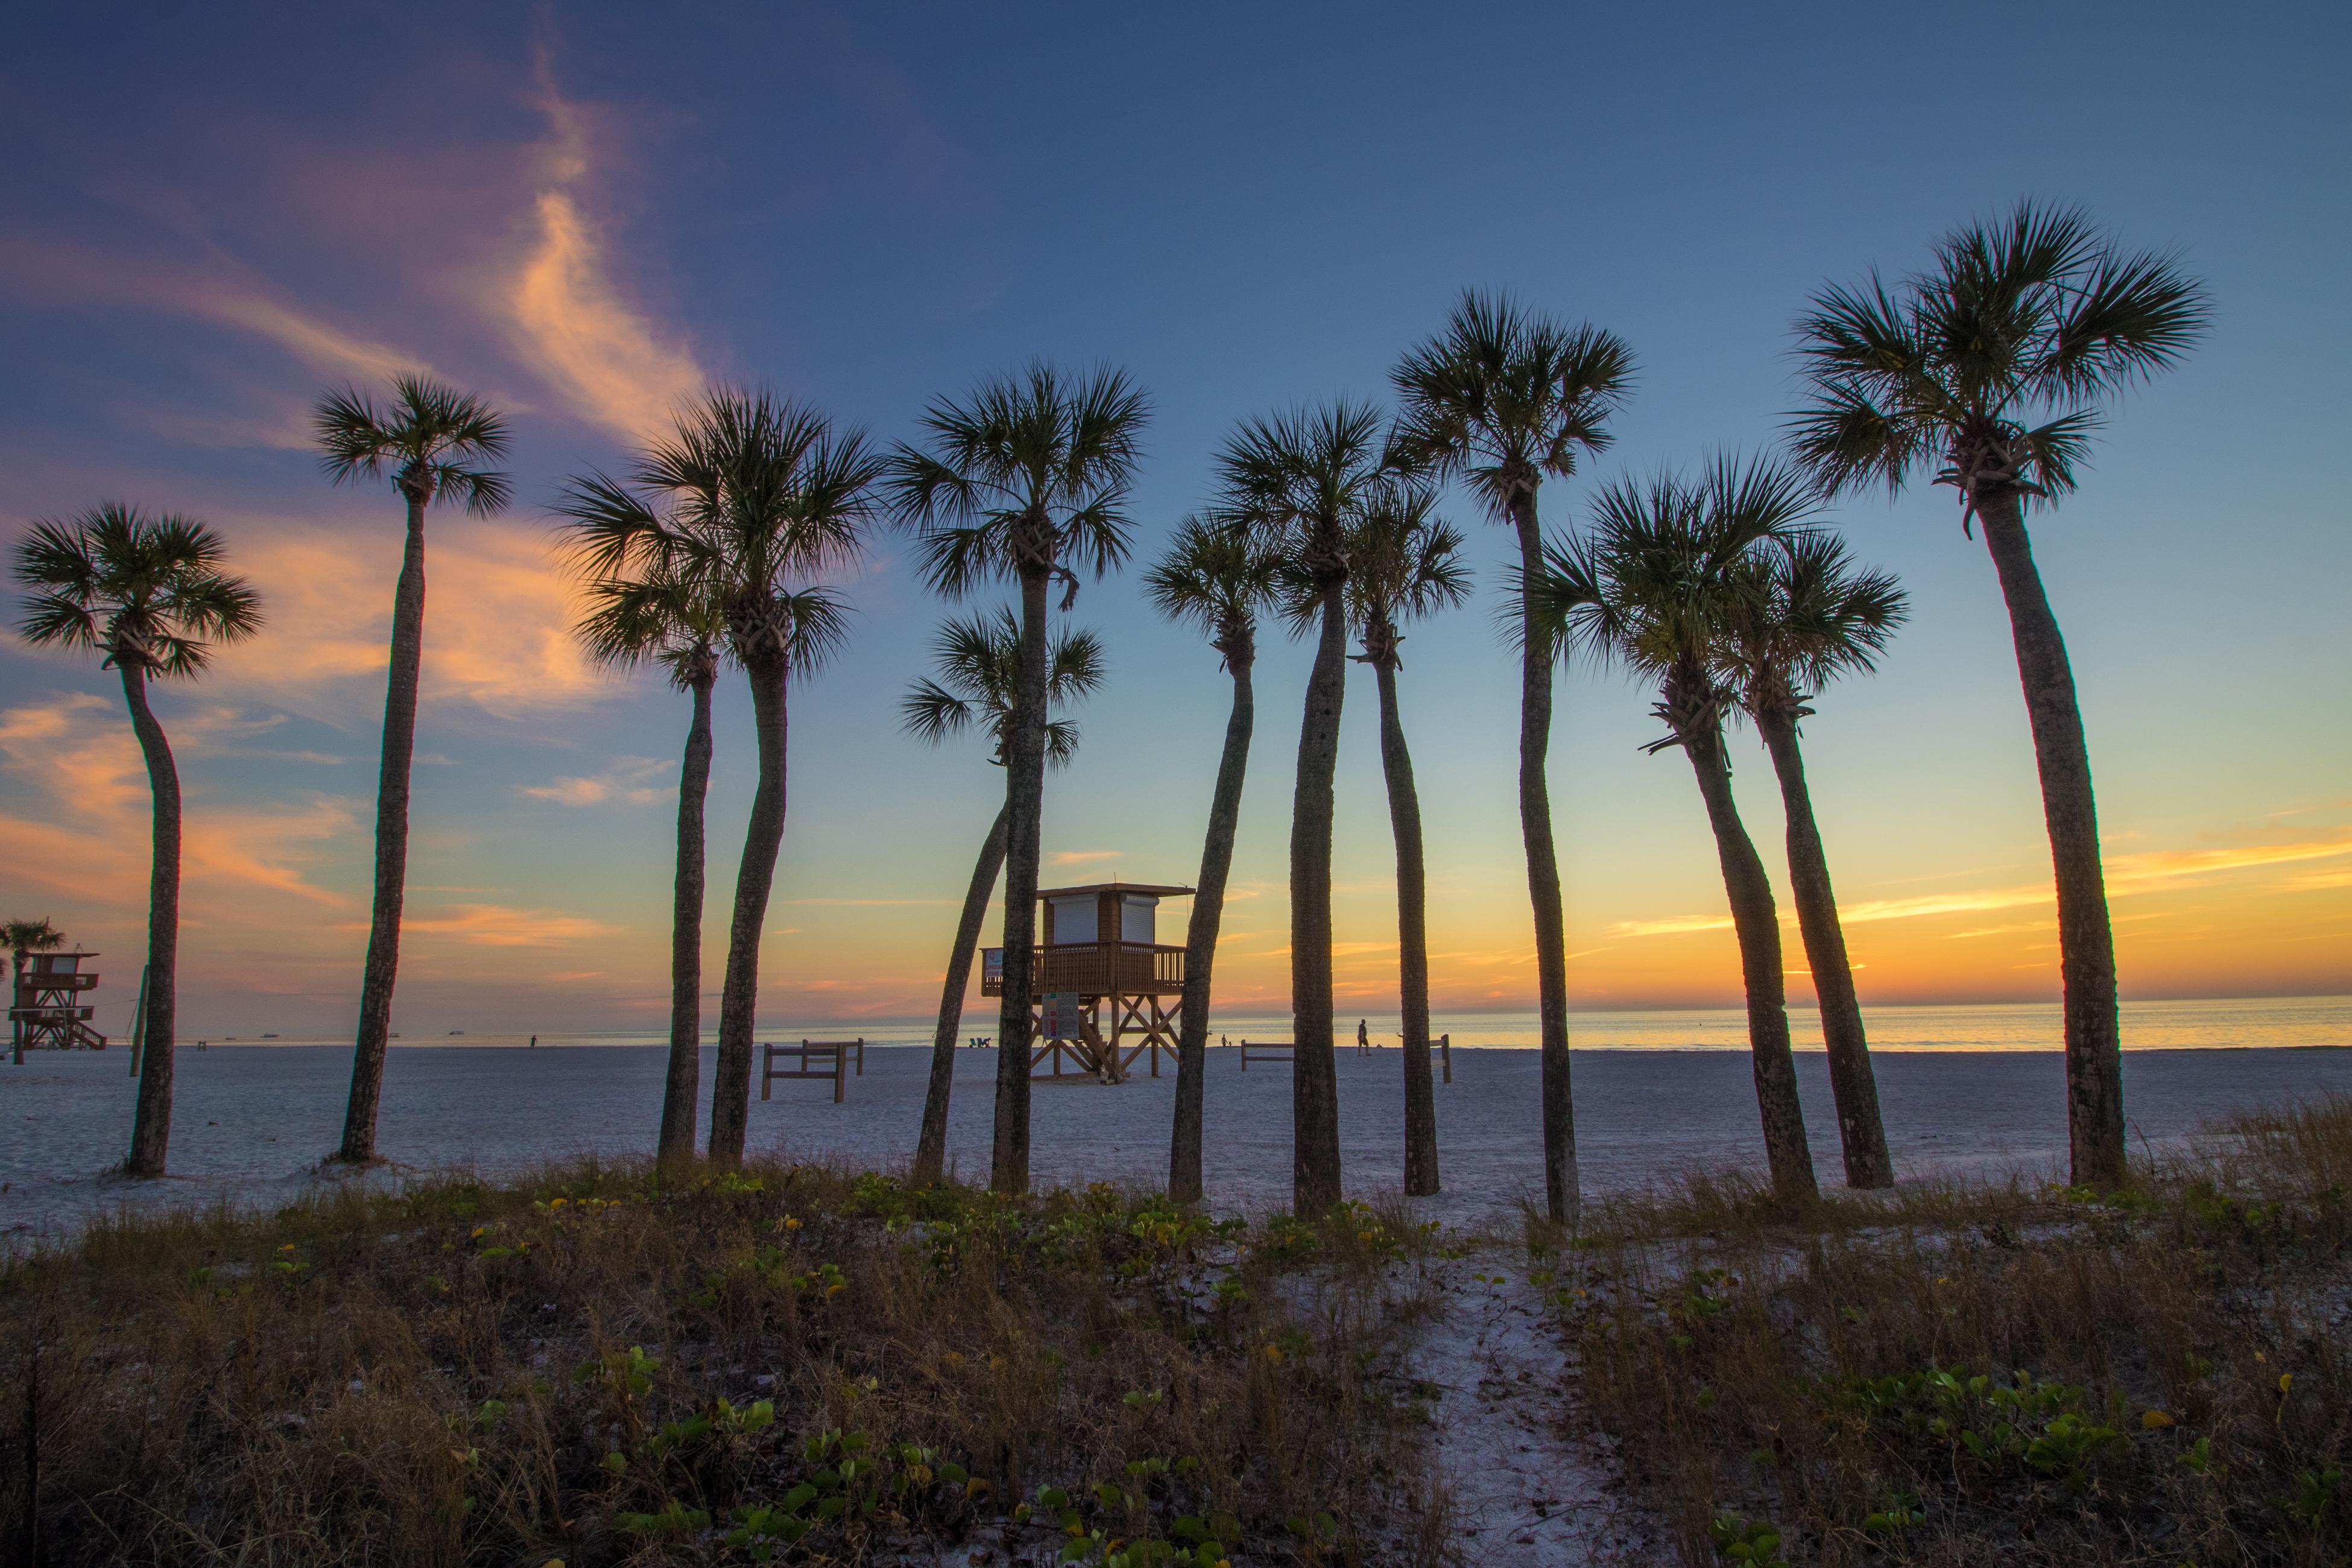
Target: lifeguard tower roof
{"points": [[1149, 889]]}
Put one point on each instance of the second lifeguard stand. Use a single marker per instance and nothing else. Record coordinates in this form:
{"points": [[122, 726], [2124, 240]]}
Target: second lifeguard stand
{"points": [[1103, 979], [47, 1011]]}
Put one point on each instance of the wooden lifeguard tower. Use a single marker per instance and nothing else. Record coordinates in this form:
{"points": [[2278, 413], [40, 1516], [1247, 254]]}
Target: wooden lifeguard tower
{"points": [[47, 1013], [1107, 989]]}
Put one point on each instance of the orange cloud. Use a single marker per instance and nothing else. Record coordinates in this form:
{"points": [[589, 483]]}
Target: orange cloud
{"points": [[624, 780], [495, 925]]}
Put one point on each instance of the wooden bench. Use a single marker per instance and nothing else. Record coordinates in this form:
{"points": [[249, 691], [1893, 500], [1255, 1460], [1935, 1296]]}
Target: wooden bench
{"points": [[1268, 1051], [816, 1059]]}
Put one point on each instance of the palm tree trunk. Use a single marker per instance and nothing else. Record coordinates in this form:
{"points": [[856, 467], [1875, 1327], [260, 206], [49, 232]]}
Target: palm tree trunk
{"points": [[151, 1130], [739, 1002], [1200, 939], [1757, 925], [1563, 1199], [2086, 942], [391, 847], [1860, 1133], [1314, 1072], [1024, 798], [931, 1145], [684, 1083], [1413, 942]]}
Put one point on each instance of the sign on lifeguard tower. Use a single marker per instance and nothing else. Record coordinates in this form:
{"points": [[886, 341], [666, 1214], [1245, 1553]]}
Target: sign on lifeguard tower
{"points": [[1107, 989]]}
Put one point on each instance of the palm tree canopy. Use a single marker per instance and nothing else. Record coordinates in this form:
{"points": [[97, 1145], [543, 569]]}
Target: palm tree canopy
{"points": [[751, 496], [1803, 616], [1216, 577], [979, 664], [1299, 485], [148, 592], [1031, 472], [23, 937], [1503, 396], [1988, 363], [434, 439], [1655, 581], [1404, 563], [665, 616]]}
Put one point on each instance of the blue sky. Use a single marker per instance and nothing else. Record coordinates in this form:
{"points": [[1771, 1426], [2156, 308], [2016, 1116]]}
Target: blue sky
{"points": [[581, 211]]}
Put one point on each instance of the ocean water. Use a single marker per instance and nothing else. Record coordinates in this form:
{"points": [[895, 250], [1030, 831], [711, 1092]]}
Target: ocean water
{"points": [[2239, 1024]]}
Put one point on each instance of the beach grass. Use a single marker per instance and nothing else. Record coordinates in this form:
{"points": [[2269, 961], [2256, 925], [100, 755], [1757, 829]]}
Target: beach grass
{"points": [[1965, 1375], [608, 1364]]}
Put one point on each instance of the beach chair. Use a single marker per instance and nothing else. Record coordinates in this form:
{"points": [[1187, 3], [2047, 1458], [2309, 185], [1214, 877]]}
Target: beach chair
{"points": [[1267, 1051], [813, 1058]]}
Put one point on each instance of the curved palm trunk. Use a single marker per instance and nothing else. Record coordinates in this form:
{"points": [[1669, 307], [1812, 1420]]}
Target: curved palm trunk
{"points": [[150, 1131], [1758, 924], [1200, 939], [1314, 1072], [730, 1088], [1024, 798], [931, 1144], [1413, 942], [1860, 1133], [2086, 943], [391, 847], [1563, 1198], [684, 1082]]}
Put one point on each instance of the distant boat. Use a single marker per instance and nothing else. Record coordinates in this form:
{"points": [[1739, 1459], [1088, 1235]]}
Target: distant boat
{"points": [[456, 1031], [269, 1037]]}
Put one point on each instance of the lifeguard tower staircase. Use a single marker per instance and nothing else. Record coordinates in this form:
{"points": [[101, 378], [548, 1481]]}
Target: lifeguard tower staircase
{"points": [[1106, 990], [48, 1013]]}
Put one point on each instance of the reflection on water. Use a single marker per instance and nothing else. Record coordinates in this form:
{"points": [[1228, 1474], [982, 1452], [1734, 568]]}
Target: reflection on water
{"points": [[2237, 1024]]}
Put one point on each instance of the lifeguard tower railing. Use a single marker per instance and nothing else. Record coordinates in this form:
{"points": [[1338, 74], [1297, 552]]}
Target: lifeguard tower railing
{"points": [[1094, 969]]}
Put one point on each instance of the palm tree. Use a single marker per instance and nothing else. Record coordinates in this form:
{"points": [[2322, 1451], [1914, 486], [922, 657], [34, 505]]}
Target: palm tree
{"points": [[1405, 564], [1217, 578], [1803, 616], [669, 618], [978, 662], [435, 443], [749, 498], [26, 937], [1652, 588], [1987, 369], [151, 597], [1302, 483], [1026, 477], [1505, 398]]}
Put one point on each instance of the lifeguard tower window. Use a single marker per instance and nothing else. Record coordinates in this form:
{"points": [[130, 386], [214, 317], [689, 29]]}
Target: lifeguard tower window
{"points": [[1099, 943]]}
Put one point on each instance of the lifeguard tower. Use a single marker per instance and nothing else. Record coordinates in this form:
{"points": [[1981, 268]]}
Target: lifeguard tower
{"points": [[1107, 989], [48, 1014]]}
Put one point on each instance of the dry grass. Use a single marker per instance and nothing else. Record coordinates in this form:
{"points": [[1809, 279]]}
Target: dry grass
{"points": [[789, 1363], [1957, 1375]]}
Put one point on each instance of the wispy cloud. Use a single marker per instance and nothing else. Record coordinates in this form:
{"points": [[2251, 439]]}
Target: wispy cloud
{"points": [[1672, 925], [1082, 857], [626, 780], [495, 925], [568, 318]]}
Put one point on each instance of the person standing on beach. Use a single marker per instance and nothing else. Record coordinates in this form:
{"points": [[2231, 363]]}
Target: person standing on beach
{"points": [[1364, 1036]]}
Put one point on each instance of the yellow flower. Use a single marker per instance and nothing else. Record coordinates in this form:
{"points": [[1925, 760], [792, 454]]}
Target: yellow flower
{"points": [[2156, 1420], [559, 1203], [1274, 1355], [288, 1247], [478, 1230], [790, 1224], [2286, 1380]]}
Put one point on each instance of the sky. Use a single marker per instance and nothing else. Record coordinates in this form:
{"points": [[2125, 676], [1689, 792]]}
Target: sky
{"points": [[209, 216]]}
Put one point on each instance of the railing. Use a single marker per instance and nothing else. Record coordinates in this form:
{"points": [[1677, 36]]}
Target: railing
{"points": [[1094, 969]]}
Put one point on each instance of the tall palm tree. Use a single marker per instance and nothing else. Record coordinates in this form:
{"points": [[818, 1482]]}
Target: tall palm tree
{"points": [[435, 444], [1301, 483], [152, 597], [1406, 563], [1803, 616], [1026, 478], [979, 663], [26, 937], [1987, 370], [1506, 398], [1216, 577], [669, 618], [1652, 586], [750, 500]]}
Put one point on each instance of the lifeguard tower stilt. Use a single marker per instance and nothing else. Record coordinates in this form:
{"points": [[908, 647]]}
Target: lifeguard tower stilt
{"points": [[47, 1014], [1101, 980]]}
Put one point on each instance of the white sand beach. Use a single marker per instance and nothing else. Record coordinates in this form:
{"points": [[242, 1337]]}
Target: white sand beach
{"points": [[252, 1122]]}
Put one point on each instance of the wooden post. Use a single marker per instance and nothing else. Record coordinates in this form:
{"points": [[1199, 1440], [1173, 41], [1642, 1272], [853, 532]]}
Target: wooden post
{"points": [[1445, 1054], [840, 1072]]}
